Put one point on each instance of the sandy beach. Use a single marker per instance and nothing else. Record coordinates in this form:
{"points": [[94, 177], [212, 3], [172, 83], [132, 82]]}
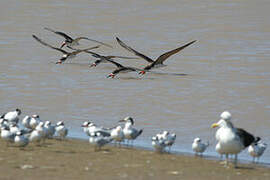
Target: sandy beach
{"points": [[76, 159]]}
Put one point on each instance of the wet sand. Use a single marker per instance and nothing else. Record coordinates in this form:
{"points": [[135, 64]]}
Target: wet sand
{"points": [[76, 159]]}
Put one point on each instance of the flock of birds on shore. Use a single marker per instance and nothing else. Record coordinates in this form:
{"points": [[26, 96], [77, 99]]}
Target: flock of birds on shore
{"points": [[70, 43], [231, 140]]}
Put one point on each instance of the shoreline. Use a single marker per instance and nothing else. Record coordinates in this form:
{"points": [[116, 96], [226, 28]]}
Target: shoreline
{"points": [[75, 158], [182, 153]]}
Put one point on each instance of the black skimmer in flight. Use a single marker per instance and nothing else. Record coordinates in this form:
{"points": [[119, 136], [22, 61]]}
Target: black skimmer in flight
{"points": [[70, 42], [123, 69], [103, 59], [66, 55], [154, 63]]}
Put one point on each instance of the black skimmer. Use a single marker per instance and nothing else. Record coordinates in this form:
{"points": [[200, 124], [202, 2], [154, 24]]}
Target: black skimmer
{"points": [[104, 59], [70, 42], [123, 69], [231, 140], [66, 55], [159, 61]]}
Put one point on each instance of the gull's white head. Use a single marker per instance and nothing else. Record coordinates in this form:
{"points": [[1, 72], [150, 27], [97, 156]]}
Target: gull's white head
{"points": [[224, 121], [226, 116]]}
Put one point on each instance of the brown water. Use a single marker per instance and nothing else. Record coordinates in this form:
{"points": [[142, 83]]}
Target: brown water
{"points": [[228, 68]]}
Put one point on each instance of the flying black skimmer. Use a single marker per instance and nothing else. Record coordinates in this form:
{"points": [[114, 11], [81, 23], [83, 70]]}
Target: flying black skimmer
{"points": [[70, 42], [154, 63], [66, 55], [104, 59], [231, 140], [123, 69]]}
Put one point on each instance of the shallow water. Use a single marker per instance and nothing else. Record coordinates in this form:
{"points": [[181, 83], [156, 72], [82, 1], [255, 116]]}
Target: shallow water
{"points": [[226, 69]]}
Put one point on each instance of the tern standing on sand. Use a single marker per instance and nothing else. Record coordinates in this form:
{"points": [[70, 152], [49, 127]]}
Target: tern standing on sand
{"points": [[117, 134], [256, 150], [20, 140], [130, 132], [12, 116], [198, 146], [61, 130], [98, 140]]}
